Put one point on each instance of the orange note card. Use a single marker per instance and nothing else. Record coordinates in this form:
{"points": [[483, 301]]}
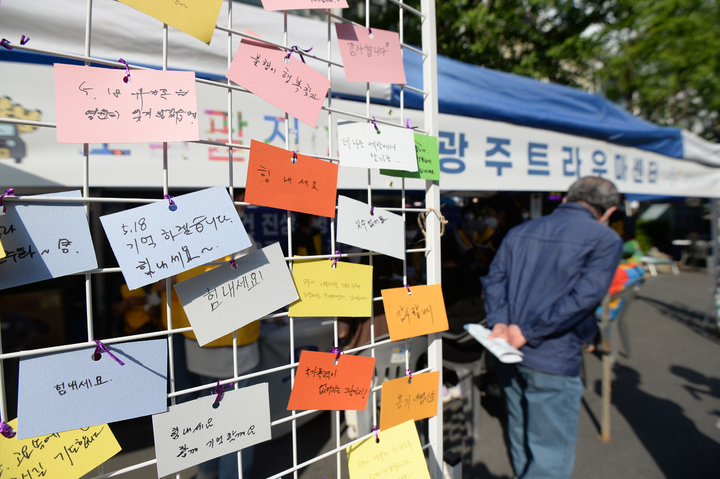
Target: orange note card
{"points": [[322, 384], [370, 57], [307, 186], [95, 105], [270, 5], [421, 312], [405, 399], [289, 84]]}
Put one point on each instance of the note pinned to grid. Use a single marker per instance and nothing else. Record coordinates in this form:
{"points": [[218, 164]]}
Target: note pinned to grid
{"points": [[277, 179], [324, 291], [94, 105], [416, 314], [322, 384], [287, 83], [375, 229], [370, 56], [194, 17], [428, 160], [67, 455], [361, 146], [409, 399], [397, 454]]}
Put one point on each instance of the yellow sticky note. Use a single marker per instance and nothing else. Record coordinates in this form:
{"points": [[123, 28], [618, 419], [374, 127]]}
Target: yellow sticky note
{"points": [[2, 250], [398, 454], [345, 290], [63, 455], [194, 17]]}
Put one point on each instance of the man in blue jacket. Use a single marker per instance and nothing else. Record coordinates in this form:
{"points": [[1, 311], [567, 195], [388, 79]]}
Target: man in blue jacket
{"points": [[544, 284]]}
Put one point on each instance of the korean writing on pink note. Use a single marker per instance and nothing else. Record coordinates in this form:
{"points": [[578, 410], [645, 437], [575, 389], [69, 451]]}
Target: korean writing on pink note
{"points": [[290, 78], [94, 105], [370, 56]]}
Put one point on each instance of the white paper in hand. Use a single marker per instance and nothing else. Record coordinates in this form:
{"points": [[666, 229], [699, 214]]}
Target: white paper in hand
{"points": [[498, 346]]}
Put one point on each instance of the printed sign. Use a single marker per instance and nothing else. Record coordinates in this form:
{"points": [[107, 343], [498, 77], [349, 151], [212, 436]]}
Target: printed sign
{"points": [[44, 240], [428, 160], [361, 146], [156, 241], [194, 17], [409, 399], [94, 105], [270, 5], [377, 230], [289, 84], [322, 384], [69, 455], [416, 314], [370, 57], [398, 454], [308, 185], [196, 431], [224, 299], [64, 391], [345, 290]]}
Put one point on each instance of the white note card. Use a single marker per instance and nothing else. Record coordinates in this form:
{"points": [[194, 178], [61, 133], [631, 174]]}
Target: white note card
{"points": [[44, 240], [224, 299], [158, 240], [195, 431], [360, 145], [380, 230], [65, 391]]}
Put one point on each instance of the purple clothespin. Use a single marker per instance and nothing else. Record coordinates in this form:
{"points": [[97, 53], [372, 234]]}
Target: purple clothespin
{"points": [[335, 258], [377, 130], [126, 78], [375, 430], [101, 348], [300, 51], [6, 430], [8, 192], [219, 390], [408, 289]]}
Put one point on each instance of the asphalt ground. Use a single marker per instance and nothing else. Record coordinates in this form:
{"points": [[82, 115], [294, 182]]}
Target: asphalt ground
{"points": [[665, 414]]}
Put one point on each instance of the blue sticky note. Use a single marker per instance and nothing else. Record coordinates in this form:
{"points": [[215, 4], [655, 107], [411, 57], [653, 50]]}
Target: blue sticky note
{"points": [[65, 391], [44, 240], [159, 240]]}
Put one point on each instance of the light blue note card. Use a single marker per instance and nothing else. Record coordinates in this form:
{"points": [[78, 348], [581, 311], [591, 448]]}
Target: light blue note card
{"points": [[159, 240], [44, 240], [65, 391]]}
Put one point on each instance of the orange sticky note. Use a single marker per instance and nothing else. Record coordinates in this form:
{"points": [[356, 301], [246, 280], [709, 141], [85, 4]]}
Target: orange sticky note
{"points": [[194, 17], [366, 58], [307, 186], [270, 5], [322, 384], [416, 314], [405, 399], [290, 85], [94, 105]]}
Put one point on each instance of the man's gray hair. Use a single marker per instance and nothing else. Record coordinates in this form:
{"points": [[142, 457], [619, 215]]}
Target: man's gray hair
{"points": [[598, 192]]}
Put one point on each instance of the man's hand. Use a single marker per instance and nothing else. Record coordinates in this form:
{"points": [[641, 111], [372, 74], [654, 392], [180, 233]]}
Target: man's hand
{"points": [[515, 335], [500, 330]]}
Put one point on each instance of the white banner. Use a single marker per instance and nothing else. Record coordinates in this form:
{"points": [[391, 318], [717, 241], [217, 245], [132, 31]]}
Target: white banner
{"points": [[475, 155]]}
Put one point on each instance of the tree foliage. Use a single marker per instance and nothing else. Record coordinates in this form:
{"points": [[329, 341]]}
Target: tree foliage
{"points": [[660, 59]]}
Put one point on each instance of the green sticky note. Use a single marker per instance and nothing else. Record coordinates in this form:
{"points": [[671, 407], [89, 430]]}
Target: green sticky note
{"points": [[428, 158]]}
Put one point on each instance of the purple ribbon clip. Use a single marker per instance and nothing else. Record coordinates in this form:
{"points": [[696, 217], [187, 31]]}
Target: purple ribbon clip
{"points": [[375, 125], [408, 288], [233, 263], [6, 430], [126, 78], [101, 348], [5, 43], [409, 373], [375, 430], [337, 352], [8, 192], [24, 39], [219, 390], [294, 158], [170, 199], [300, 52], [370, 32], [335, 258], [372, 211], [408, 124]]}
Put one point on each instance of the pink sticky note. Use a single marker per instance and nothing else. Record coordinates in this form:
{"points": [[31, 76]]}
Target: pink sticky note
{"points": [[367, 58], [94, 105], [293, 87], [297, 4]]}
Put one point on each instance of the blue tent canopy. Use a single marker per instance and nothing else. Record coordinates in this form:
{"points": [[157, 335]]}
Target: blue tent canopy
{"points": [[473, 91]]}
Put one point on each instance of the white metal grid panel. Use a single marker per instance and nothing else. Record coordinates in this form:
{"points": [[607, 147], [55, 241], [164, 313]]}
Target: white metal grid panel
{"points": [[234, 98]]}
